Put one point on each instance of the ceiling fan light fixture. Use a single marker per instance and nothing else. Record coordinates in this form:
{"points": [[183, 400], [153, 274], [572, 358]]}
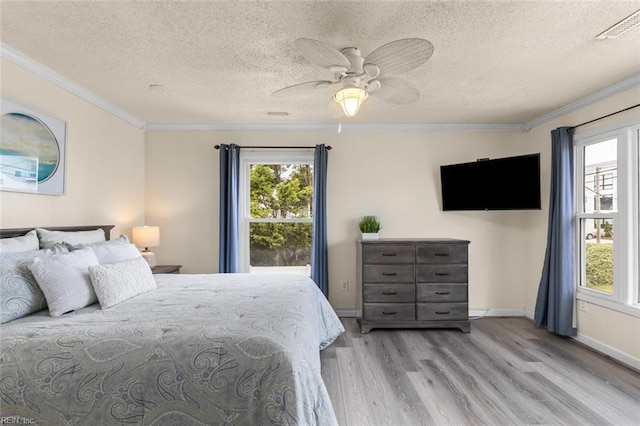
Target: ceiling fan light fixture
{"points": [[350, 99], [360, 76]]}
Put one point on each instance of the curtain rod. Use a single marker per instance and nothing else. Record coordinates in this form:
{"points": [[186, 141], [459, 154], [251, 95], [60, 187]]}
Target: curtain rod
{"points": [[328, 147], [605, 116]]}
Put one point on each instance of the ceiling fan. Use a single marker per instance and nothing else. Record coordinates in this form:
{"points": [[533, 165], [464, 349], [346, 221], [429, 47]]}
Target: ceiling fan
{"points": [[361, 76]]}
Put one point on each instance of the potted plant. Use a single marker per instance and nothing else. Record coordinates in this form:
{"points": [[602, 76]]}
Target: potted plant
{"points": [[369, 226]]}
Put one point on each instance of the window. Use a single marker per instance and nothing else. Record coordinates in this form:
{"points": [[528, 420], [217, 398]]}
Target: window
{"points": [[606, 181], [605, 203], [276, 205], [597, 246], [607, 217]]}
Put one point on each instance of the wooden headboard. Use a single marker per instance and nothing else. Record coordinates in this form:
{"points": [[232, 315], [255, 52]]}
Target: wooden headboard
{"points": [[17, 232]]}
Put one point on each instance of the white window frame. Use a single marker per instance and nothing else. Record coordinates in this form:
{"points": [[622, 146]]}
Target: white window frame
{"points": [[261, 156], [626, 243]]}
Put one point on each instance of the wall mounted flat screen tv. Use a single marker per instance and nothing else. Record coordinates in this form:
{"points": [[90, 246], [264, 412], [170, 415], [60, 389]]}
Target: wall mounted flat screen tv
{"points": [[510, 183]]}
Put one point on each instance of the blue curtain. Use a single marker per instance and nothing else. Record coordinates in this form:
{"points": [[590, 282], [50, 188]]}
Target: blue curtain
{"points": [[554, 306], [319, 267], [229, 187]]}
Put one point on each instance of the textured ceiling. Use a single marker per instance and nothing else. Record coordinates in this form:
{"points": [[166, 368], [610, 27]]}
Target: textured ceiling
{"points": [[495, 61]]}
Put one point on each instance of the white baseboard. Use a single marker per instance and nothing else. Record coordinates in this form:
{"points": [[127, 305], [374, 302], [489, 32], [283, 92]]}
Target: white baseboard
{"points": [[608, 350], [347, 313], [488, 312]]}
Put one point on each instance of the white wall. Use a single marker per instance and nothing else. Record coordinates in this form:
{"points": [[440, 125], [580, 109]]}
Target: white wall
{"points": [[390, 174], [105, 162], [394, 175]]}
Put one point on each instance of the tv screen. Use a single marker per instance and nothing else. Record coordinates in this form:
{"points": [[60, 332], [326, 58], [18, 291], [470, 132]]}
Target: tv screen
{"points": [[510, 183]]}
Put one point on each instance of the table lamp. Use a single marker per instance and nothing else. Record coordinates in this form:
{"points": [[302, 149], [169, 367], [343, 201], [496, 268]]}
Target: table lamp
{"points": [[145, 237]]}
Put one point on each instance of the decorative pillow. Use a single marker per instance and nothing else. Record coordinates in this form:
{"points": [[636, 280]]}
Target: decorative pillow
{"points": [[27, 242], [19, 292], [117, 282], [64, 280], [49, 238], [122, 239], [112, 251], [114, 254]]}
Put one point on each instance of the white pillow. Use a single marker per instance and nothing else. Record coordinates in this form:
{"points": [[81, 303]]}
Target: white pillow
{"points": [[27, 242], [64, 280], [117, 282], [112, 251], [49, 238], [115, 253]]}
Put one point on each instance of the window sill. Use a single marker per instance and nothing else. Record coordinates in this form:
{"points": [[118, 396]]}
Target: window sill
{"points": [[595, 299]]}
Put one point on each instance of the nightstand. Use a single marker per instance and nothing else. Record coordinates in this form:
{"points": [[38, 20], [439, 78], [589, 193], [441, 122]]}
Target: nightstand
{"points": [[166, 269]]}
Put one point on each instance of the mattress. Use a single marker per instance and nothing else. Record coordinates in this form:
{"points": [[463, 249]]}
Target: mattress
{"points": [[237, 349]]}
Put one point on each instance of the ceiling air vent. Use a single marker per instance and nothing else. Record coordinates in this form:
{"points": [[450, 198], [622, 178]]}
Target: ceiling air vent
{"points": [[621, 27]]}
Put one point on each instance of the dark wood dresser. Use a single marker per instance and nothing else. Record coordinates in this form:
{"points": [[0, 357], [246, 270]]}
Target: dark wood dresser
{"points": [[413, 283]]}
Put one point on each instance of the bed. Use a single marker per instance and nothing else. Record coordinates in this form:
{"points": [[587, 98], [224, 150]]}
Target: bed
{"points": [[237, 349]]}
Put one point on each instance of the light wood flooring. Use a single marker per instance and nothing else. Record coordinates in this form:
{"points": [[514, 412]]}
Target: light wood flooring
{"points": [[505, 372]]}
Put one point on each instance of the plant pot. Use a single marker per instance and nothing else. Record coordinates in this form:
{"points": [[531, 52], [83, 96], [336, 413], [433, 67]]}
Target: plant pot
{"points": [[370, 236]]}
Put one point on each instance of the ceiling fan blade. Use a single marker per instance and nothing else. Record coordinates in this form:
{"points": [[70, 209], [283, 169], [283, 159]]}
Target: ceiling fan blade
{"points": [[320, 53], [401, 55], [302, 88], [397, 91]]}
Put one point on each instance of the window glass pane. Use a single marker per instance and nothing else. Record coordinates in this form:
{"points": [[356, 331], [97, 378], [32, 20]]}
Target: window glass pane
{"points": [[280, 247], [606, 181], [606, 202], [281, 191], [597, 253], [600, 176]]}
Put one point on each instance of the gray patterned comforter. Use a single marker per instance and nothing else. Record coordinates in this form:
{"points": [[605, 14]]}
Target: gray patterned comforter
{"points": [[217, 349]]}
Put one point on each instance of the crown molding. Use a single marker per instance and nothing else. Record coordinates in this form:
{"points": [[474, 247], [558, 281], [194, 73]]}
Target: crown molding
{"points": [[40, 70], [618, 87], [167, 127]]}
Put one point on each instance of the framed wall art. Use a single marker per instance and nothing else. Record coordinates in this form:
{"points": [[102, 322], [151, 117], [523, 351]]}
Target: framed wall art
{"points": [[32, 150]]}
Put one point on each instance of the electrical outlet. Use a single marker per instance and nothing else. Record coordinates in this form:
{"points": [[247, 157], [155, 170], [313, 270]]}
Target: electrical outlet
{"points": [[583, 305], [345, 286]]}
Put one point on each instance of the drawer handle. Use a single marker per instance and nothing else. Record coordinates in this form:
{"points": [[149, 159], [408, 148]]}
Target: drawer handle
{"points": [[389, 313], [442, 292], [442, 312], [442, 254], [442, 274], [389, 293], [389, 274], [389, 254]]}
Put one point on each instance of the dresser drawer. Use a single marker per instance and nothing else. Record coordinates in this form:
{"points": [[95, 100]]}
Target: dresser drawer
{"points": [[441, 293], [442, 311], [388, 253], [442, 253], [389, 293], [389, 312], [389, 273], [442, 274]]}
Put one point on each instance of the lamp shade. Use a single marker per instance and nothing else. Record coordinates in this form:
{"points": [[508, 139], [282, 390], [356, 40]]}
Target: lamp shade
{"points": [[146, 236], [350, 99]]}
